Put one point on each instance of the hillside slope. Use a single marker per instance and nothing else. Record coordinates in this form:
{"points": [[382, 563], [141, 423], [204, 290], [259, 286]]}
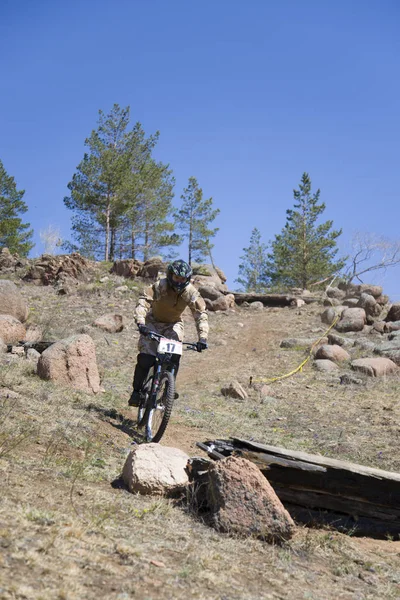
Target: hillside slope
{"points": [[66, 533]]}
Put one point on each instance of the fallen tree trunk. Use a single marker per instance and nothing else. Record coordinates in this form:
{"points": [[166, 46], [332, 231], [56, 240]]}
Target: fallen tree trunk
{"points": [[266, 299], [315, 489]]}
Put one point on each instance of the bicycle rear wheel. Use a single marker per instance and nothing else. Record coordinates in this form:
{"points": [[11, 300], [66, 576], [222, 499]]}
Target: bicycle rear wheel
{"points": [[157, 418]]}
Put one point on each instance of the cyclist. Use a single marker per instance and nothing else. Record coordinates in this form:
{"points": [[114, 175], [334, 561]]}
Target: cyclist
{"points": [[160, 309]]}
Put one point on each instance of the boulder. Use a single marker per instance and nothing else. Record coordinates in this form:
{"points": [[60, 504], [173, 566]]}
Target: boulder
{"points": [[256, 306], [374, 367], [339, 340], [156, 470], [372, 290], [152, 268], [242, 502], [301, 343], [379, 326], [221, 303], [11, 330], [352, 319], [369, 304], [390, 349], [209, 291], [331, 313], [332, 302], [382, 300], [334, 292], [230, 300], [332, 352], [33, 355], [11, 301], [367, 345], [128, 268], [110, 322], [350, 302], [234, 390], [394, 312], [71, 362], [392, 326], [324, 365]]}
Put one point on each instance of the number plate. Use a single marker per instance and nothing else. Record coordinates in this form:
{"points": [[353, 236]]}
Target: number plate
{"points": [[166, 346]]}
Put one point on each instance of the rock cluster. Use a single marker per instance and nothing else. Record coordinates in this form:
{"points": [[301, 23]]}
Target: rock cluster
{"points": [[209, 280], [363, 312], [49, 269]]}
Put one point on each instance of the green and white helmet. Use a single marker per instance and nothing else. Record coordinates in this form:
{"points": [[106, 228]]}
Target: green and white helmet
{"points": [[179, 274]]}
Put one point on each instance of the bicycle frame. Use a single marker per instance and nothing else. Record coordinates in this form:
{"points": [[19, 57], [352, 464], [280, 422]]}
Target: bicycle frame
{"points": [[163, 362]]}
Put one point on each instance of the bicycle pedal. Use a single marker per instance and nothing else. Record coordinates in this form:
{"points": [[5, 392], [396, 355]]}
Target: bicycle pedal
{"points": [[176, 396]]}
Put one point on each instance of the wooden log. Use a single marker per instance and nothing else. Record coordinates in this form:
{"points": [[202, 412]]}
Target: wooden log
{"points": [[266, 299], [38, 346], [322, 485]]}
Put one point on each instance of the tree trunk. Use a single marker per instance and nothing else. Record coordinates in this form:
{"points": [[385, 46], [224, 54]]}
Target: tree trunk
{"points": [[112, 243], [107, 240]]}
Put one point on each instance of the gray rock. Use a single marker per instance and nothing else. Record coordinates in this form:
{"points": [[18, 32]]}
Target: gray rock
{"points": [[349, 379], [339, 340], [350, 302], [301, 342], [353, 319], [256, 306], [365, 344], [369, 304], [325, 365], [334, 292]]}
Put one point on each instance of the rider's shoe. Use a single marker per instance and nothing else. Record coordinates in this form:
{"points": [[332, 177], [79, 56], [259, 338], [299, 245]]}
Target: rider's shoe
{"points": [[134, 400]]}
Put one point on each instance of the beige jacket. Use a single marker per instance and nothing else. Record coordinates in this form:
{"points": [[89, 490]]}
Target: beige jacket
{"points": [[161, 303]]}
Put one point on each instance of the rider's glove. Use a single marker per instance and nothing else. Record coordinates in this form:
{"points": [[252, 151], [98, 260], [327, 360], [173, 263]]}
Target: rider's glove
{"points": [[143, 329], [202, 345]]}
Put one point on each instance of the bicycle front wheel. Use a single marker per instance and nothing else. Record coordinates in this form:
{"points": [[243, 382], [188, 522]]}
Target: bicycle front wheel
{"points": [[144, 398], [158, 417]]}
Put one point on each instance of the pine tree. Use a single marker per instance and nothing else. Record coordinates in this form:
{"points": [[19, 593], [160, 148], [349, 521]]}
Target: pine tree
{"points": [[304, 252], [149, 215], [115, 155], [253, 270], [194, 218], [14, 235]]}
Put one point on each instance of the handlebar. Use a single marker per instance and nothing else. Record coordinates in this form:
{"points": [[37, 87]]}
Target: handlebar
{"points": [[153, 335]]}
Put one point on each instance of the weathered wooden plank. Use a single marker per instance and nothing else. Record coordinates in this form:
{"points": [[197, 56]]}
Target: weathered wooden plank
{"points": [[360, 526], [319, 460]]}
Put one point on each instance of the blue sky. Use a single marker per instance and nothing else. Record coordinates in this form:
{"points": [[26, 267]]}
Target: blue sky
{"points": [[246, 96]]}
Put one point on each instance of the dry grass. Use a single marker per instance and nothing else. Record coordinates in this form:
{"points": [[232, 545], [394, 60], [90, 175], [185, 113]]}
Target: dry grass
{"points": [[66, 533]]}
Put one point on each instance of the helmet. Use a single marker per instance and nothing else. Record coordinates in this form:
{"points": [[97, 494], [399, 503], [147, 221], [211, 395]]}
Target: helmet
{"points": [[178, 275]]}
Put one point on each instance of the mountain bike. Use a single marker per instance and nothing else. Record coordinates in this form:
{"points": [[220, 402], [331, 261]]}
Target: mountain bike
{"points": [[157, 394]]}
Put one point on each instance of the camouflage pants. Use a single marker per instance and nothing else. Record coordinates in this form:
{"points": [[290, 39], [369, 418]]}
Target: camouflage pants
{"points": [[173, 331]]}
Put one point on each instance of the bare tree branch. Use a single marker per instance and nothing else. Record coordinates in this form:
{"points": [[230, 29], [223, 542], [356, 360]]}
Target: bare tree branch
{"points": [[371, 253]]}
